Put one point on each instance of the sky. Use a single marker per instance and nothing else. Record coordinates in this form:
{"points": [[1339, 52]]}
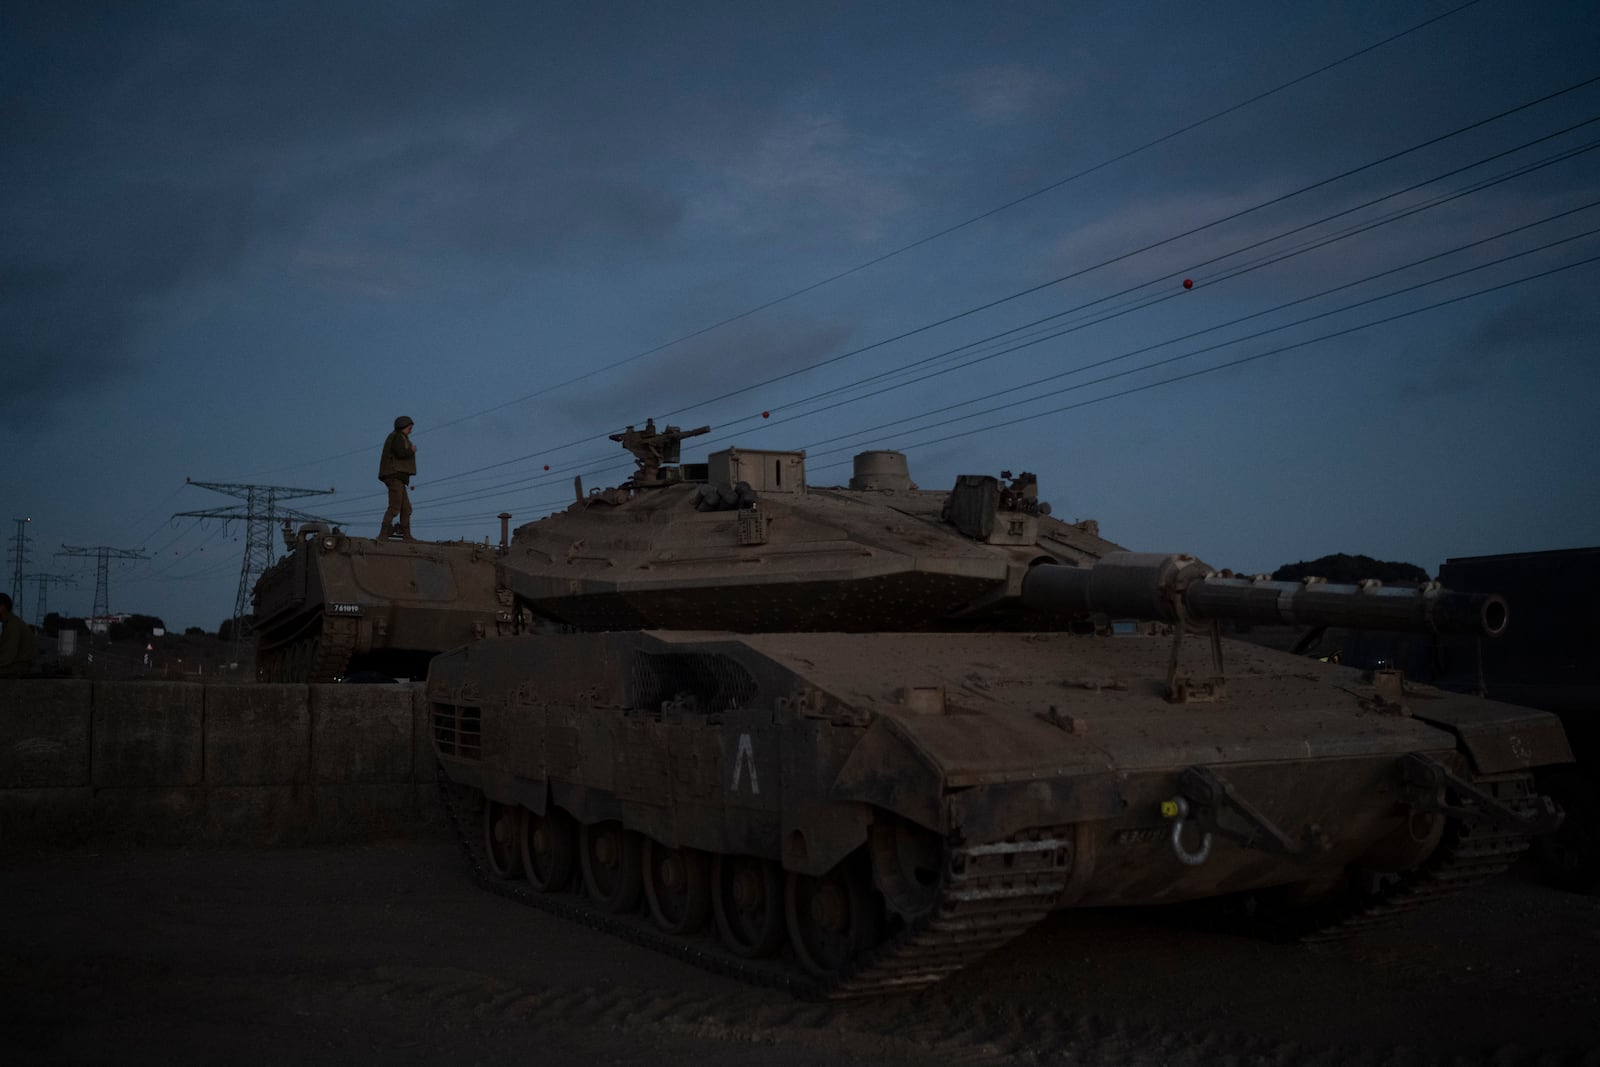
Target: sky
{"points": [[1254, 281]]}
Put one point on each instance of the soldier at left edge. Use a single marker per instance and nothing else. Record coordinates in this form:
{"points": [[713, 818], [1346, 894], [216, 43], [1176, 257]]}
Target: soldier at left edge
{"points": [[18, 654]]}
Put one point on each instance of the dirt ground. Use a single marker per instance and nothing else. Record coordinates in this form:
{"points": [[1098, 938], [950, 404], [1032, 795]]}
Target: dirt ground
{"points": [[390, 952]]}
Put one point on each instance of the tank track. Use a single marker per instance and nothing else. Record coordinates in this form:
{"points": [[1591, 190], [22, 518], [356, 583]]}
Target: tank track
{"points": [[1467, 856], [321, 653], [335, 644], [991, 894]]}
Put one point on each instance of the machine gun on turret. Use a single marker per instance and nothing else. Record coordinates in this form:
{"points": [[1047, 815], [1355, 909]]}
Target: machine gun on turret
{"points": [[653, 450]]}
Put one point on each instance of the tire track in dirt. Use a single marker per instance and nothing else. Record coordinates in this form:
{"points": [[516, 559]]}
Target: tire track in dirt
{"points": [[925, 1028]]}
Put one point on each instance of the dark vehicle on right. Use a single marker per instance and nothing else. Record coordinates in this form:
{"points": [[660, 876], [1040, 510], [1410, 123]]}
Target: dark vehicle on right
{"points": [[1545, 660]]}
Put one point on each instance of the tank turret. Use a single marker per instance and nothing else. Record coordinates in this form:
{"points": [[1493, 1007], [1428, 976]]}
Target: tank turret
{"points": [[891, 728]]}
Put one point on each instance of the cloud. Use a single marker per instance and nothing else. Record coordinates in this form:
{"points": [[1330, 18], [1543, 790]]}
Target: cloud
{"points": [[159, 152], [82, 274], [1007, 94], [1544, 335], [736, 356], [810, 172]]}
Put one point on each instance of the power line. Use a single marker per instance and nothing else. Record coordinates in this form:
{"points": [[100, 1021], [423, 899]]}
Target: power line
{"points": [[1269, 260], [1013, 419], [928, 238], [1219, 326], [1080, 272], [1237, 340], [198, 524], [1315, 244]]}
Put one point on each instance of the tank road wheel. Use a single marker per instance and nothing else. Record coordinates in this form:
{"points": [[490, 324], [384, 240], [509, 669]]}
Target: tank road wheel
{"points": [[305, 655], [677, 884], [611, 866], [549, 848], [832, 919], [502, 828], [747, 899]]}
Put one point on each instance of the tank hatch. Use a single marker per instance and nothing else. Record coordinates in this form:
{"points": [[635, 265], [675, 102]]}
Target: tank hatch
{"points": [[997, 511]]}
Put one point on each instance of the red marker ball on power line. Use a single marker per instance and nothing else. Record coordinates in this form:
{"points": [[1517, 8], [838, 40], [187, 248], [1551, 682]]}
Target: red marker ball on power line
{"points": [[1188, 283], [766, 414], [547, 466]]}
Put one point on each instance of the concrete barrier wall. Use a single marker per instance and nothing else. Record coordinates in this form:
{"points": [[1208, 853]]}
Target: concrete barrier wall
{"points": [[182, 763]]}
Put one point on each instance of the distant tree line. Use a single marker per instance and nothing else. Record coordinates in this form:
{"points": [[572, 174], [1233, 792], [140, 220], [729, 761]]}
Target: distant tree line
{"points": [[225, 627], [1347, 570], [134, 626]]}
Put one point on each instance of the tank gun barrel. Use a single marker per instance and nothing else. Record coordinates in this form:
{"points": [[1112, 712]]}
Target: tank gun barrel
{"points": [[1148, 585]]}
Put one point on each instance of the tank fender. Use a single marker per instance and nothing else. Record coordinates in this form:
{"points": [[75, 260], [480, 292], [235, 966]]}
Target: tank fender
{"points": [[887, 770], [1498, 738], [503, 787], [586, 804], [819, 829]]}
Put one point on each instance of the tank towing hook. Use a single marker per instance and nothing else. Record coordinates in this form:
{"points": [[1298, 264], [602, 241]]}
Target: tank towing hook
{"points": [[1425, 777], [1211, 803]]}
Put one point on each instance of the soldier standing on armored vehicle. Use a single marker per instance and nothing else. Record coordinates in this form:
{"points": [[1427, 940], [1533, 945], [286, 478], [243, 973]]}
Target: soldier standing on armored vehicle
{"points": [[395, 468]]}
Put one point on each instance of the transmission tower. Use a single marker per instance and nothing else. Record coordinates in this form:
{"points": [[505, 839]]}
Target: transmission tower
{"points": [[261, 513], [45, 581], [103, 555], [19, 556]]}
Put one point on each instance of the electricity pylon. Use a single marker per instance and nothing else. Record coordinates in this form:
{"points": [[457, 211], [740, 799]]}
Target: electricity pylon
{"points": [[103, 555], [45, 581], [19, 556], [261, 513]]}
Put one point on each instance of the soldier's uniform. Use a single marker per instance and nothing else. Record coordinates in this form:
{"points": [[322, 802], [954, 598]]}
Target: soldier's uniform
{"points": [[395, 468], [18, 653]]}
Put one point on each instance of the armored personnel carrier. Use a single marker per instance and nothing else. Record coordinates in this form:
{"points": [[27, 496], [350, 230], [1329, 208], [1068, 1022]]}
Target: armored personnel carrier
{"points": [[337, 607], [868, 734]]}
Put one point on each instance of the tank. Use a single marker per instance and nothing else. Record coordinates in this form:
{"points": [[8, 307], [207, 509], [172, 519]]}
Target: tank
{"points": [[340, 608], [850, 739]]}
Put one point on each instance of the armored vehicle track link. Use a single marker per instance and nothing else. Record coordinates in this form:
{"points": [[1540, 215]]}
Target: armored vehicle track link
{"points": [[321, 654], [1467, 856], [980, 910]]}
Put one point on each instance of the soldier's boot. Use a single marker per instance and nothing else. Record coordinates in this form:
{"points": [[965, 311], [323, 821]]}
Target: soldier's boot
{"points": [[387, 529], [405, 528]]}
